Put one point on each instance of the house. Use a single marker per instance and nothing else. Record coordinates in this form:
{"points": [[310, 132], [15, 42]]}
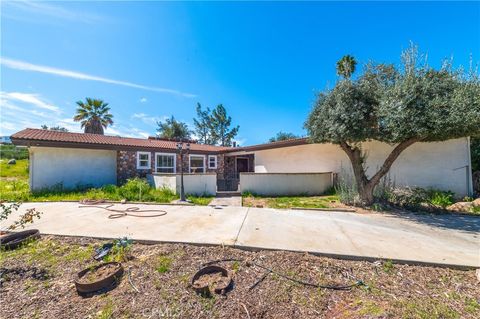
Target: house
{"points": [[280, 168]]}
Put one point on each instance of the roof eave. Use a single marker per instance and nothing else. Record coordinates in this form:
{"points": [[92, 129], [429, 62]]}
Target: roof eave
{"points": [[42, 143]]}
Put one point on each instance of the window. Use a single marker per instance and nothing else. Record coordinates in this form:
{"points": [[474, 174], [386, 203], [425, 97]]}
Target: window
{"points": [[212, 161], [143, 160], [165, 163], [197, 163]]}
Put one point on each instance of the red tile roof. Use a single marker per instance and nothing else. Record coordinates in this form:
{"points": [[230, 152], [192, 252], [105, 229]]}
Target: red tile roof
{"points": [[40, 137]]}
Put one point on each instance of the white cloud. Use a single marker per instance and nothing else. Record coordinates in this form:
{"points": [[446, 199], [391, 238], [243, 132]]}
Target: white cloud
{"points": [[25, 66], [54, 11], [143, 100], [126, 132], [29, 99], [148, 119], [6, 127], [22, 110]]}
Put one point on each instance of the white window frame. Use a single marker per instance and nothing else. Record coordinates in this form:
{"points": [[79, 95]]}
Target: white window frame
{"points": [[166, 154], [215, 162], [149, 160], [189, 162]]}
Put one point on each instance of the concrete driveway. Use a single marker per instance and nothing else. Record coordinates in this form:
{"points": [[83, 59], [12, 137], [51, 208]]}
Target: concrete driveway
{"points": [[446, 239]]}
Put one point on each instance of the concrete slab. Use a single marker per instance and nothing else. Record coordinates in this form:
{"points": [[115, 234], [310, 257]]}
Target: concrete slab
{"points": [[187, 224], [447, 240], [370, 235], [235, 201]]}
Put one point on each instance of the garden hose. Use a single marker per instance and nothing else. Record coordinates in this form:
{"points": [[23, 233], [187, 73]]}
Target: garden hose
{"points": [[118, 213]]}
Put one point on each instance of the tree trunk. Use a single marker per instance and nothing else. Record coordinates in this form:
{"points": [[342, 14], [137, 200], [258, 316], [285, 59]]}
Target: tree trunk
{"points": [[366, 186]]}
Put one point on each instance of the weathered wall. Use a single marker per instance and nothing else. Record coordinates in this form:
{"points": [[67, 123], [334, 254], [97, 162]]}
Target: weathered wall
{"points": [[439, 165], [72, 167], [284, 184], [198, 184], [163, 181]]}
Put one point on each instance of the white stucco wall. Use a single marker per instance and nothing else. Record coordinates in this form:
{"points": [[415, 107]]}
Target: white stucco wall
{"points": [[284, 184], [71, 167], [163, 181], [197, 184], [439, 165]]}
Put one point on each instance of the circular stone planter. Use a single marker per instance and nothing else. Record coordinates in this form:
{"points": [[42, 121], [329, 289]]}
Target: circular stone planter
{"points": [[212, 279], [13, 240], [103, 276]]}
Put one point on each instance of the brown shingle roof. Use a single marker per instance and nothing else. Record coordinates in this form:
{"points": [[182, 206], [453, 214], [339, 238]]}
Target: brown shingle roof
{"points": [[40, 137]]}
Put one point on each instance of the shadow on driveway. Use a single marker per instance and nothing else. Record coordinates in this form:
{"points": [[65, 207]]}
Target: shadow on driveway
{"points": [[459, 222]]}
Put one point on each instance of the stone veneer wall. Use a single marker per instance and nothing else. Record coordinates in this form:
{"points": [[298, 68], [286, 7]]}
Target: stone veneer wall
{"points": [[127, 165], [227, 165]]}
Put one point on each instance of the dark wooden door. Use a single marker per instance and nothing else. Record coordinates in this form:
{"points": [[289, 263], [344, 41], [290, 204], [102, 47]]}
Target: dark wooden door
{"points": [[242, 165]]}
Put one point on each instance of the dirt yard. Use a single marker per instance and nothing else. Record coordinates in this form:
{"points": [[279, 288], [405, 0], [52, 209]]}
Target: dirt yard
{"points": [[37, 282]]}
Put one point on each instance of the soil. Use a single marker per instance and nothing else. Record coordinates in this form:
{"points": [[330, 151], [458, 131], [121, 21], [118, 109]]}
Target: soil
{"points": [[215, 280], [37, 282], [97, 274]]}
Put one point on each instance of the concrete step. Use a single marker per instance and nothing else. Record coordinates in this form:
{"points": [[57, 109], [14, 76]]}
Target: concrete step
{"points": [[228, 193]]}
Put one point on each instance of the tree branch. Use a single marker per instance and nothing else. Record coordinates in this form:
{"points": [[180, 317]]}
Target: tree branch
{"points": [[391, 159]]}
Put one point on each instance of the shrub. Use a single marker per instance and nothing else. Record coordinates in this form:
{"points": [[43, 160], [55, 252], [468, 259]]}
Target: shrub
{"points": [[247, 194], [407, 197], [417, 198], [12, 151], [440, 198], [346, 189], [120, 251], [134, 189]]}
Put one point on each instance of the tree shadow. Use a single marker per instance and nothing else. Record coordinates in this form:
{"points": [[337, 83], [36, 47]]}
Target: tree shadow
{"points": [[460, 222]]}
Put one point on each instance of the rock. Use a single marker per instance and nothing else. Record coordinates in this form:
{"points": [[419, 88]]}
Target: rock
{"points": [[478, 274], [476, 202], [461, 207], [12, 161]]}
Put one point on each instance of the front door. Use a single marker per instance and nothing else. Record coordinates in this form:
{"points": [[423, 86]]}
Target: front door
{"points": [[242, 165]]}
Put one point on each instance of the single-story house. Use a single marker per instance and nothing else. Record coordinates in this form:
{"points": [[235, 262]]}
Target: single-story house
{"points": [[286, 167]]}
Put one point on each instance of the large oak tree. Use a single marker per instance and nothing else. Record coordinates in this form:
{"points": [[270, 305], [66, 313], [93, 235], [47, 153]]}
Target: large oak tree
{"points": [[396, 105]]}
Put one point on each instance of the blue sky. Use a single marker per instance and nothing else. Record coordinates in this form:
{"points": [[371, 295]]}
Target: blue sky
{"points": [[263, 61]]}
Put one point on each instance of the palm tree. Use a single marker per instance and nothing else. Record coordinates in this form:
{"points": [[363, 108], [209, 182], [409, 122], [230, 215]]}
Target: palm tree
{"points": [[346, 66], [93, 115]]}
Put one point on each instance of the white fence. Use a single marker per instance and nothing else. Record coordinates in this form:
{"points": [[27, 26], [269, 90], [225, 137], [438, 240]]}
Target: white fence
{"points": [[195, 184], [285, 184]]}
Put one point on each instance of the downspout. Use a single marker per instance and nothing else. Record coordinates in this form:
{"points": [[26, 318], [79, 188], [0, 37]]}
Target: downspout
{"points": [[469, 170]]}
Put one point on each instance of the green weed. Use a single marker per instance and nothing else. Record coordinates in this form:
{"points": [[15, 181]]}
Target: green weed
{"points": [[107, 311], [164, 263], [388, 266]]}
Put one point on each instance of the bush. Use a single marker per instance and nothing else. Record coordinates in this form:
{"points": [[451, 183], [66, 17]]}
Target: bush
{"points": [[346, 189], [134, 189], [440, 198], [418, 198], [12, 151], [407, 197]]}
